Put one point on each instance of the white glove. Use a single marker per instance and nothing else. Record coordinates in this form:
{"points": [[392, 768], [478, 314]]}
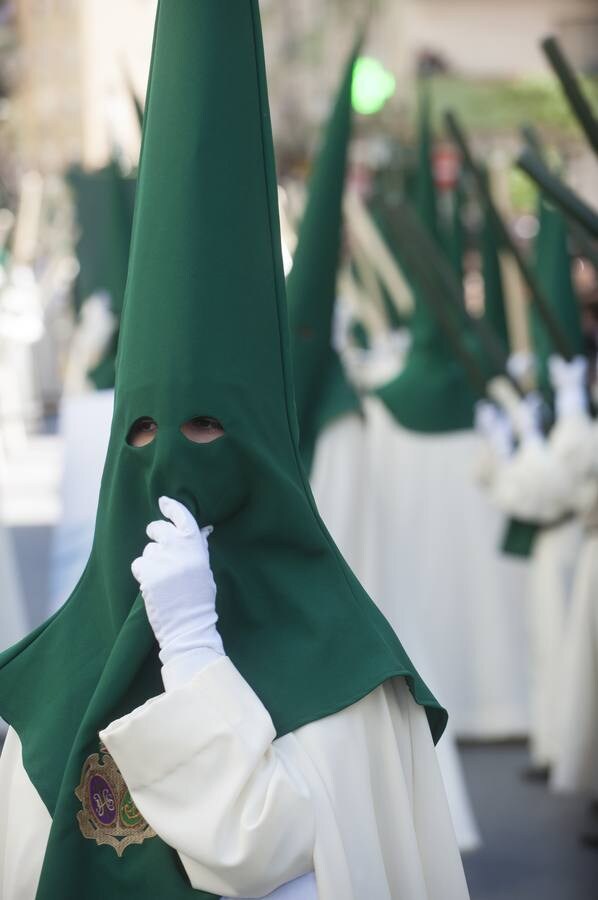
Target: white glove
{"points": [[521, 365], [180, 593], [569, 382], [495, 427], [526, 419], [532, 485]]}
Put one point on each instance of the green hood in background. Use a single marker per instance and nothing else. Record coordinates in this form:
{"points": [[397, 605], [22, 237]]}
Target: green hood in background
{"points": [[104, 202], [553, 271], [322, 390], [495, 312], [204, 332], [431, 394]]}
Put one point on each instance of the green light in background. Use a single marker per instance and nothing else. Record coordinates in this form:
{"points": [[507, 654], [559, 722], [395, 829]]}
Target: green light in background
{"points": [[373, 85]]}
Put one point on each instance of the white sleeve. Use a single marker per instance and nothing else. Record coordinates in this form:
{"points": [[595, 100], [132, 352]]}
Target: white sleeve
{"points": [[24, 826], [202, 765]]}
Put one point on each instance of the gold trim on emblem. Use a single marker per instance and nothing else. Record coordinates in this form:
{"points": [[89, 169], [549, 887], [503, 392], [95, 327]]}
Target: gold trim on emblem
{"points": [[109, 815]]}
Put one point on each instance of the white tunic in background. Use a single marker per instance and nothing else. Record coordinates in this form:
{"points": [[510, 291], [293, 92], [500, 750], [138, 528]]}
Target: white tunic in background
{"points": [[14, 622], [544, 481], [339, 483], [356, 798], [576, 767], [456, 601], [85, 421], [551, 574]]}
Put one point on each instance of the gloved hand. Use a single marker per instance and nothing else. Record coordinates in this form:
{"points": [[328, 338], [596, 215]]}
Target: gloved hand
{"points": [[569, 382], [527, 418], [494, 426], [180, 593], [521, 366]]}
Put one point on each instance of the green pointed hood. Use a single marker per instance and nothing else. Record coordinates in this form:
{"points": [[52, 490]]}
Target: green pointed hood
{"points": [[455, 242], [104, 212], [322, 390], [494, 299], [431, 394], [204, 332], [553, 270]]}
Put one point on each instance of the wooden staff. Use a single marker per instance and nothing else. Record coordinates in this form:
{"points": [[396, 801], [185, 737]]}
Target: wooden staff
{"points": [[573, 90], [559, 339], [365, 232], [556, 190], [536, 149]]}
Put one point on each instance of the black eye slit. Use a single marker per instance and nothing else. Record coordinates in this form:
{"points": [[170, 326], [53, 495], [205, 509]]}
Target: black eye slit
{"points": [[206, 422], [142, 432], [202, 429]]}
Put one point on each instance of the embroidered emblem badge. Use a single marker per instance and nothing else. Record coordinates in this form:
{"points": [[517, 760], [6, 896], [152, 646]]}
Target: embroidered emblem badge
{"points": [[109, 815]]}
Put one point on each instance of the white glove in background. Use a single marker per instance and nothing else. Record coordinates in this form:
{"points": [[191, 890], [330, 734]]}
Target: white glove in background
{"points": [[179, 591], [521, 366], [574, 440], [527, 418], [532, 485], [494, 425], [568, 380]]}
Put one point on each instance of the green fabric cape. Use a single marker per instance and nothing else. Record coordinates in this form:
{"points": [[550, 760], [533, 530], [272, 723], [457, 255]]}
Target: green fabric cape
{"points": [[204, 332], [431, 394], [322, 390], [519, 538]]}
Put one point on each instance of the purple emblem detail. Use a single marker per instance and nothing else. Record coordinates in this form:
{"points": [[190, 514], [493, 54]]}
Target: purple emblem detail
{"points": [[102, 801]]}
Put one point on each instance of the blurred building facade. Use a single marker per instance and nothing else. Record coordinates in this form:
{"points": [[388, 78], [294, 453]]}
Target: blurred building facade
{"points": [[79, 59], [484, 39], [78, 62]]}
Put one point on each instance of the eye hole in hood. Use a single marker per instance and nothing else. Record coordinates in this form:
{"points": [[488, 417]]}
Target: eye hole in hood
{"points": [[202, 429], [142, 432]]}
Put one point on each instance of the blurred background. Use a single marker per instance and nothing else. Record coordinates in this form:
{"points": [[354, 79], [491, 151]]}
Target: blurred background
{"points": [[72, 87]]}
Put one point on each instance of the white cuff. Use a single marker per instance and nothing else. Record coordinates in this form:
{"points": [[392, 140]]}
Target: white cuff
{"points": [[184, 667]]}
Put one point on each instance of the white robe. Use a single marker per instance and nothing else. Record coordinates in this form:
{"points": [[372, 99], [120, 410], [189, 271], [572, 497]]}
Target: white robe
{"points": [[13, 617], [339, 483], [544, 481], [14, 623], [85, 421], [552, 569], [355, 798], [456, 601], [576, 713]]}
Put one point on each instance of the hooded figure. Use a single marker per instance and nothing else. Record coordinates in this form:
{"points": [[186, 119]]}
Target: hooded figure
{"points": [[328, 405], [282, 678], [538, 472], [518, 536], [537, 484], [104, 206], [444, 582], [556, 547]]}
